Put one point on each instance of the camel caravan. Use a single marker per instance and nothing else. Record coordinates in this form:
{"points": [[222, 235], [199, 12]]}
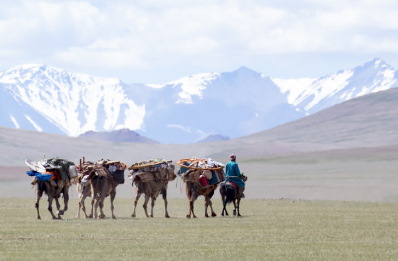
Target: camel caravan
{"points": [[99, 179]]}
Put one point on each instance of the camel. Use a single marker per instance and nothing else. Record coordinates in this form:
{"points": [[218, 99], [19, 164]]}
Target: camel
{"points": [[153, 188], [83, 186], [88, 171], [84, 191], [194, 189], [229, 193], [102, 186], [53, 192]]}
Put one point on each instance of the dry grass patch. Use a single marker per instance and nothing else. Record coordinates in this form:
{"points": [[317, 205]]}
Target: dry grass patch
{"points": [[269, 229]]}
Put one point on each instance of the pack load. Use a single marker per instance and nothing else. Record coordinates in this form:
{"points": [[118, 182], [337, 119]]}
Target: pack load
{"points": [[52, 169], [205, 171], [106, 168], [152, 170]]}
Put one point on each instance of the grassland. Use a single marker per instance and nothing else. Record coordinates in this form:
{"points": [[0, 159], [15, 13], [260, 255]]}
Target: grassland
{"points": [[268, 230]]}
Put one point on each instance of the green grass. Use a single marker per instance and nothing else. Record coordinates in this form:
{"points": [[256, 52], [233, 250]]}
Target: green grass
{"points": [[268, 230]]}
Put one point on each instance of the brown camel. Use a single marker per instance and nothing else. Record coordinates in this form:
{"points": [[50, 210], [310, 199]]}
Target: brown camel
{"points": [[102, 185], [154, 187], [89, 171], [53, 192], [194, 189]]}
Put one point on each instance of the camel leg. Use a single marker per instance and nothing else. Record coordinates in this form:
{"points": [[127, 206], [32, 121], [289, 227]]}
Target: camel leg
{"points": [[96, 203], [57, 203], [192, 208], [80, 193], [135, 203], [164, 194], [82, 197], [50, 208], [112, 197], [192, 196], [58, 207], [80, 206], [83, 206], [153, 200], [206, 205], [57, 195], [37, 206], [101, 206], [145, 205], [66, 200], [92, 208], [213, 214]]}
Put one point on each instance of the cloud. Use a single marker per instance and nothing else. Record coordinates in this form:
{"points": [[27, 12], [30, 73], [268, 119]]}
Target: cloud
{"points": [[201, 134], [112, 36], [183, 128]]}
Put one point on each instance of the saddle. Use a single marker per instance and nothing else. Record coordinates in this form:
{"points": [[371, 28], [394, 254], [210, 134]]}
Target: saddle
{"points": [[234, 184], [237, 190]]}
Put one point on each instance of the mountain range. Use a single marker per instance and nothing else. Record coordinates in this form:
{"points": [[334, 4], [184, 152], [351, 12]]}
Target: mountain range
{"points": [[123, 135], [348, 151], [232, 104], [366, 123]]}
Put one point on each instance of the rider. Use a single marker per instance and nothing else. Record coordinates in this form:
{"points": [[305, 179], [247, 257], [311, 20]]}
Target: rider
{"points": [[232, 174]]}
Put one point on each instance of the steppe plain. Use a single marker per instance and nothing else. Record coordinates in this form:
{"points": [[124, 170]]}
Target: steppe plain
{"points": [[323, 187]]}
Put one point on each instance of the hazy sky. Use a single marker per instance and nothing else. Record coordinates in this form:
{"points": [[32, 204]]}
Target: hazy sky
{"points": [[157, 41]]}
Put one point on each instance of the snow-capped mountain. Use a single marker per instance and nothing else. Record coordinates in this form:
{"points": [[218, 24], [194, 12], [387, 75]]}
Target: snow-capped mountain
{"points": [[231, 104], [51, 100], [312, 95], [44, 98]]}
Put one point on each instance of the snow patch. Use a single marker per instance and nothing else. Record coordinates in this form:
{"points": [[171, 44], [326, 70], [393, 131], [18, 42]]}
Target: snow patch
{"points": [[14, 121], [34, 124], [293, 87], [193, 86]]}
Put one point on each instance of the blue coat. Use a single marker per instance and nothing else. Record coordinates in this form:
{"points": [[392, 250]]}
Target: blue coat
{"points": [[232, 173]]}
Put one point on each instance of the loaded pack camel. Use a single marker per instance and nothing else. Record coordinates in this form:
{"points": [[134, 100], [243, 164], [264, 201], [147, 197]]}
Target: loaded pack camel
{"points": [[230, 193], [152, 188], [194, 189], [98, 180], [52, 177], [102, 186], [53, 192]]}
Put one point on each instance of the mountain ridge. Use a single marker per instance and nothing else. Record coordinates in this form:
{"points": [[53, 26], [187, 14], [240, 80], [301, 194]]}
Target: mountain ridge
{"points": [[374, 127], [122, 135], [233, 104]]}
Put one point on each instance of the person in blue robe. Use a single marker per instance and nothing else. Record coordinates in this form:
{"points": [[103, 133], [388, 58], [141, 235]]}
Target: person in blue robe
{"points": [[232, 173]]}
